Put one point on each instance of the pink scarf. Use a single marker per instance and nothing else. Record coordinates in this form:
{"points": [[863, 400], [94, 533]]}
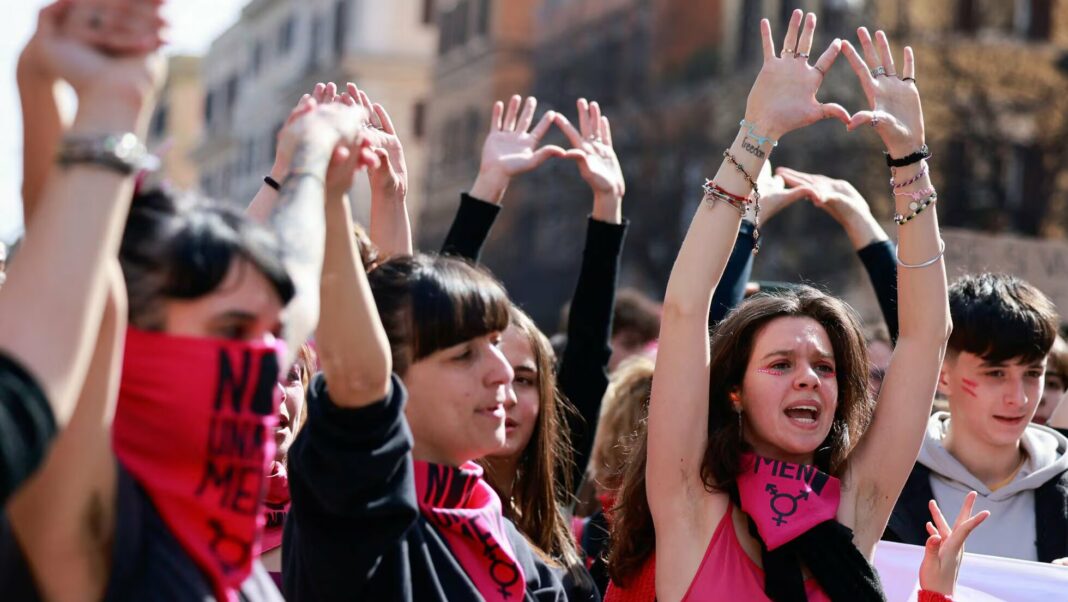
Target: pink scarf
{"points": [[467, 513], [195, 427], [276, 506], [784, 499]]}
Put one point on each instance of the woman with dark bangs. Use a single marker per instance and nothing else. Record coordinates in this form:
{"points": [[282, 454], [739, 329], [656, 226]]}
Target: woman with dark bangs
{"points": [[387, 502], [549, 440], [763, 481]]}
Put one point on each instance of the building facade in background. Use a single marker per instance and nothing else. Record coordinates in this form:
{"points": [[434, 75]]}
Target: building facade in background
{"points": [[178, 122], [278, 50], [673, 76], [483, 54]]}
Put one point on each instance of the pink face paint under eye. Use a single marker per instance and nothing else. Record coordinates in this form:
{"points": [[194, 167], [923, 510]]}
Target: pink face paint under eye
{"points": [[968, 386], [771, 371]]}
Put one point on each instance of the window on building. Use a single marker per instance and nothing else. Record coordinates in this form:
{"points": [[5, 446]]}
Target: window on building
{"points": [[209, 107], [341, 27], [482, 20], [232, 85], [444, 31], [1033, 19], [428, 16], [419, 119], [749, 45], [286, 32], [256, 63], [463, 19], [967, 16], [317, 28]]}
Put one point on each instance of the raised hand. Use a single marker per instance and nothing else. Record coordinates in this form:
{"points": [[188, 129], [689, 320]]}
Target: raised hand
{"points": [[895, 111], [774, 194], [510, 149], [783, 98], [841, 201], [591, 149], [944, 550], [389, 181], [116, 26]]}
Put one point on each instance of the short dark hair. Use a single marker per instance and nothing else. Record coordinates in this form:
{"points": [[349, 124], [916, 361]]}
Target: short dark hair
{"points": [[1000, 317], [636, 312], [430, 302], [182, 247], [1057, 364]]}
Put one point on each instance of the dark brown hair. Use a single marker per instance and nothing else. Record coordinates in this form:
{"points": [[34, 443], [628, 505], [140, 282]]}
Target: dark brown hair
{"points": [[1000, 317], [1057, 364], [635, 312], [543, 478], [625, 404], [731, 347], [429, 302], [633, 536]]}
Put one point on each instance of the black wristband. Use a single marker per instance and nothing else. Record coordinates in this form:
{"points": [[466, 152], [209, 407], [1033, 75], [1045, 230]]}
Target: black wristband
{"points": [[916, 157], [268, 180]]}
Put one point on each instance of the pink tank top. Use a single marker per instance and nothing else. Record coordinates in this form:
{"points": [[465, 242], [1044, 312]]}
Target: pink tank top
{"points": [[727, 572]]}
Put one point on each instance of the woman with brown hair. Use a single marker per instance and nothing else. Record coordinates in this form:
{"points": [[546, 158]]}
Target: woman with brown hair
{"points": [[761, 479]]}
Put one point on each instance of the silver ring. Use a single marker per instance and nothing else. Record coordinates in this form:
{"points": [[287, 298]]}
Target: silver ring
{"points": [[801, 55], [790, 51], [874, 121], [880, 70], [593, 138]]}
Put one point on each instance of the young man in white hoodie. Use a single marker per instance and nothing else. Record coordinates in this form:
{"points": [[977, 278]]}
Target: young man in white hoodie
{"points": [[992, 376]]}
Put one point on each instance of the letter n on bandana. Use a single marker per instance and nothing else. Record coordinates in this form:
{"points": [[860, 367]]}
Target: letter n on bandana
{"points": [[195, 427], [784, 499], [467, 513]]}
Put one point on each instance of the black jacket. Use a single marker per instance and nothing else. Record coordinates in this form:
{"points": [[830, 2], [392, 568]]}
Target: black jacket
{"points": [[907, 522], [354, 531]]}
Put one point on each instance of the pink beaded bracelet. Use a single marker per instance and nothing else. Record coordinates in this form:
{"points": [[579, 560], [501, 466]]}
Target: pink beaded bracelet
{"points": [[912, 180]]}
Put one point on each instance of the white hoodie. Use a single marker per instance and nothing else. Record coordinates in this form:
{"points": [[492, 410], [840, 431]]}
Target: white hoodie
{"points": [[1010, 530]]}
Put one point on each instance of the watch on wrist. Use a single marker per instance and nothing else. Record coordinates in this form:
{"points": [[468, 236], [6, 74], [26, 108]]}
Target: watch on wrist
{"points": [[122, 153]]}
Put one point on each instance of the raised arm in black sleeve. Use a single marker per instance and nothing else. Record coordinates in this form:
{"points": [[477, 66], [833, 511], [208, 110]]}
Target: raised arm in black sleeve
{"points": [[470, 228], [878, 259], [27, 426], [353, 497], [731, 289], [584, 366]]}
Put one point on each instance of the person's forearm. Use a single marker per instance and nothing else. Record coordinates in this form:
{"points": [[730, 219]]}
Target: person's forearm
{"points": [[390, 230], [470, 228], [863, 229], [300, 224], [266, 200], [731, 290], [490, 186], [353, 349], [923, 306], [709, 242], [42, 128], [75, 230]]}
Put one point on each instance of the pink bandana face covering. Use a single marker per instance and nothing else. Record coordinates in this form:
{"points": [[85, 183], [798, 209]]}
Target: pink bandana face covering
{"points": [[195, 427], [785, 500], [467, 513]]}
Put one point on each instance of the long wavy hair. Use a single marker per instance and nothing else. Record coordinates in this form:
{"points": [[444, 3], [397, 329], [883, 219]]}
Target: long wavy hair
{"points": [[731, 347], [543, 479]]}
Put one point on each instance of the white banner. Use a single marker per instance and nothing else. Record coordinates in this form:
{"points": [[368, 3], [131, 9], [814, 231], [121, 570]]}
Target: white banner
{"points": [[982, 578]]}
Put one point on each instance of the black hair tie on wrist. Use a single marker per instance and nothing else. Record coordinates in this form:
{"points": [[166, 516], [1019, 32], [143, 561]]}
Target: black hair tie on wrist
{"points": [[916, 157], [268, 180]]}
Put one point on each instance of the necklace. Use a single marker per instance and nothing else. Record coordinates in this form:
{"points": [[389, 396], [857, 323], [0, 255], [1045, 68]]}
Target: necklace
{"points": [[1012, 475]]}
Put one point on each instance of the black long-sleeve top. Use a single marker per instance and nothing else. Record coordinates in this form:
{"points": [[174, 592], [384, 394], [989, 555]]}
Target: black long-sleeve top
{"points": [[27, 425], [583, 372], [354, 531]]}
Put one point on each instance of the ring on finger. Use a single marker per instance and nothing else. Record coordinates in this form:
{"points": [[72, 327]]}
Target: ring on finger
{"points": [[787, 51], [909, 79], [822, 72], [880, 70], [875, 121], [801, 55]]}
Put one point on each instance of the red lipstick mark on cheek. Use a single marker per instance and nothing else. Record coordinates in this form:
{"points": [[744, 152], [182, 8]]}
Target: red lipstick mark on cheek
{"points": [[969, 386]]}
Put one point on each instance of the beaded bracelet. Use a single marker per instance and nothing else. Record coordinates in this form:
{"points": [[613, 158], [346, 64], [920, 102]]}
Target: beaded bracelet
{"points": [[917, 208], [916, 195], [912, 180], [756, 197]]}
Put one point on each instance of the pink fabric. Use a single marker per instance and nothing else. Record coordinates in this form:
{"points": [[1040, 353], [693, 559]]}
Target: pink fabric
{"points": [[467, 512], [195, 427], [276, 506], [784, 499], [728, 573]]}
